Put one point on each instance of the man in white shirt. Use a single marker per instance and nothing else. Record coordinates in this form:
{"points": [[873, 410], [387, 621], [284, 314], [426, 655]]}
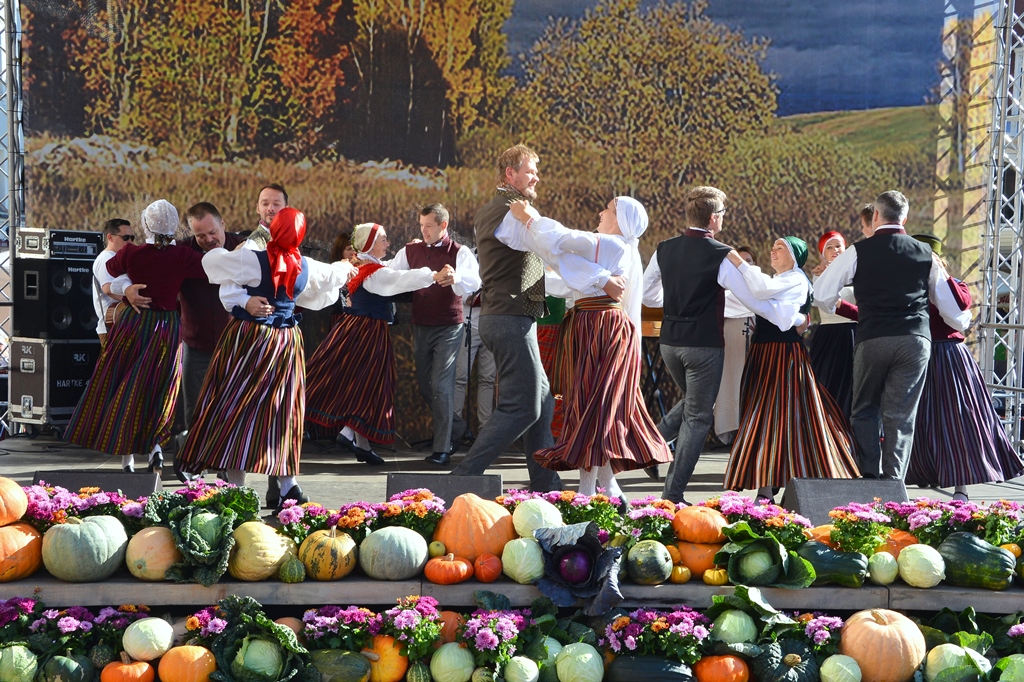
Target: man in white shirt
{"points": [[116, 233]]}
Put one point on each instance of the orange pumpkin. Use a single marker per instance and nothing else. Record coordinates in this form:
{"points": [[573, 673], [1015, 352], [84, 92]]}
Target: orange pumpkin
{"points": [[896, 541], [387, 664], [448, 569], [698, 556], [451, 621], [187, 664], [726, 668], [13, 501], [151, 552], [822, 534], [487, 568], [887, 645], [473, 526], [699, 524], [127, 670], [21, 551]]}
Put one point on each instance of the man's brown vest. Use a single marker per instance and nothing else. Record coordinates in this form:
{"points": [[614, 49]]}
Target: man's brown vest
{"points": [[513, 281]]}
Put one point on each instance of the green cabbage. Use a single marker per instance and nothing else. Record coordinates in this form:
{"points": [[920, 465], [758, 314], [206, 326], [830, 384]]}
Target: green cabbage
{"points": [[579, 662], [1012, 668], [839, 668], [208, 526], [533, 514], [452, 662], [950, 656], [882, 568], [523, 560], [921, 566], [17, 664], [734, 627], [521, 669], [753, 564], [258, 660]]}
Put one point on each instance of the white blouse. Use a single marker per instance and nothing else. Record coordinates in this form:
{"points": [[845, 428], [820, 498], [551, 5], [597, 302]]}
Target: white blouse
{"points": [[776, 298]]}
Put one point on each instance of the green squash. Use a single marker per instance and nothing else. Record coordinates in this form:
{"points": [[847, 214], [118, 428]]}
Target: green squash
{"points": [[67, 669], [100, 655], [292, 570], [85, 550], [649, 563], [418, 672], [647, 669], [832, 567], [973, 562], [482, 675], [786, 660], [336, 665], [393, 553]]}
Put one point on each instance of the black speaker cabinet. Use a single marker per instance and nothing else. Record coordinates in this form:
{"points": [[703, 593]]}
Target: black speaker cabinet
{"points": [[814, 498], [53, 299], [47, 378]]}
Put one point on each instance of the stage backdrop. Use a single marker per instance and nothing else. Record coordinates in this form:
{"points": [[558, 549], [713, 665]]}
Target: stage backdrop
{"points": [[367, 109]]}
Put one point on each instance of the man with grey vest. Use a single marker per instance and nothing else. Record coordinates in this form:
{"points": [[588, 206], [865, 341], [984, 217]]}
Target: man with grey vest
{"points": [[894, 277], [688, 276], [512, 300]]}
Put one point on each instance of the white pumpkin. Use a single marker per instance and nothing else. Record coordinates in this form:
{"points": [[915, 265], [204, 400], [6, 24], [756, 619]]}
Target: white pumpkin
{"points": [[148, 639], [258, 552]]}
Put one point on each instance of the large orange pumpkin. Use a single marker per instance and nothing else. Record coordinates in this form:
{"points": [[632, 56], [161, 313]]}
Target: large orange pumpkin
{"points": [[822, 534], [387, 664], [13, 501], [887, 645], [698, 556], [699, 524], [21, 551], [151, 552], [726, 668], [896, 541], [473, 526], [187, 664], [127, 670]]}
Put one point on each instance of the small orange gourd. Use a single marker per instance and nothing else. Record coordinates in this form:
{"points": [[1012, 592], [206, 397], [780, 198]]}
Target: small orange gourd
{"points": [[387, 664], [726, 668], [699, 524], [127, 670], [448, 569], [187, 664], [487, 568]]}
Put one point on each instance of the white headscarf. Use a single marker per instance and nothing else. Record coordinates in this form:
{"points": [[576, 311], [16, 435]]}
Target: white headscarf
{"points": [[160, 217], [632, 218]]}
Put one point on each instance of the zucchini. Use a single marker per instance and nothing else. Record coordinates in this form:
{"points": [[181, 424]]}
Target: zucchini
{"points": [[973, 562], [833, 567]]}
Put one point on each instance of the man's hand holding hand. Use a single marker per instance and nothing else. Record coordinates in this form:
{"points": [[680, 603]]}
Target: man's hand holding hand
{"points": [[135, 299]]}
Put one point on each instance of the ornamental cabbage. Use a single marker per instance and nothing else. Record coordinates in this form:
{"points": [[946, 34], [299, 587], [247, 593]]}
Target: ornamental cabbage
{"points": [[734, 627], [921, 566], [521, 669], [882, 568], [840, 668], [947, 656], [452, 662], [523, 561], [258, 660], [579, 662], [533, 514], [208, 526], [17, 664]]}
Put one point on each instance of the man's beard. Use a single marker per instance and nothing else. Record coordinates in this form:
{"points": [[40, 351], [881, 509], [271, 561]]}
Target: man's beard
{"points": [[530, 193]]}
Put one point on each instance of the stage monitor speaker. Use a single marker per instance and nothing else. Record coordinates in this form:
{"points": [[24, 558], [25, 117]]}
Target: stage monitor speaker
{"points": [[445, 486], [132, 486], [47, 378], [816, 497], [53, 299]]}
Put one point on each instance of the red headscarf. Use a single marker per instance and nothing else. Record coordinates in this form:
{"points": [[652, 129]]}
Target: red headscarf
{"points": [[287, 230], [826, 238]]}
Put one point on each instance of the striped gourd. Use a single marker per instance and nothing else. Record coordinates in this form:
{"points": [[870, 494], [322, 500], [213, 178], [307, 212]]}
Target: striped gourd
{"points": [[328, 554], [292, 570], [418, 672]]}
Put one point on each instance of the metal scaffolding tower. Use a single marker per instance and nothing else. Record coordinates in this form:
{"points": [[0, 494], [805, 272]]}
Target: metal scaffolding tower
{"points": [[12, 166]]}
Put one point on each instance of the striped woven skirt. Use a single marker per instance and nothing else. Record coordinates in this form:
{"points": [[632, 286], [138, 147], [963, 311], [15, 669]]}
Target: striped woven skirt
{"points": [[606, 420], [350, 379], [958, 439], [832, 360], [547, 342], [128, 407], [249, 413], [789, 426]]}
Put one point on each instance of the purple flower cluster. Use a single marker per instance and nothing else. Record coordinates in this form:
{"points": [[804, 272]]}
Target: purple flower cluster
{"points": [[198, 489], [50, 505], [820, 628], [676, 634], [334, 627], [1016, 630], [575, 507], [416, 622], [14, 608], [492, 635]]}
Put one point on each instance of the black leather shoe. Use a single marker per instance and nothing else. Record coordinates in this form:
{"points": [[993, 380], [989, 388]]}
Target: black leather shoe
{"points": [[368, 456], [439, 458], [294, 493], [130, 469], [156, 464], [274, 493]]}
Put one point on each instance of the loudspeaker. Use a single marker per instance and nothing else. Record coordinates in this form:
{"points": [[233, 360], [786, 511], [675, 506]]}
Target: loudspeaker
{"points": [[816, 497], [53, 299], [445, 486], [47, 378], [133, 486]]}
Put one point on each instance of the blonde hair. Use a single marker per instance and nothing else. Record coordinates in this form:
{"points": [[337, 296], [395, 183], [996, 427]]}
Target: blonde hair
{"points": [[702, 203], [513, 158]]}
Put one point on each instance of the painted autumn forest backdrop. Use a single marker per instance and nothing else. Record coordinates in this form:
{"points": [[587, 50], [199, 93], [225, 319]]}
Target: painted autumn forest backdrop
{"points": [[367, 109]]}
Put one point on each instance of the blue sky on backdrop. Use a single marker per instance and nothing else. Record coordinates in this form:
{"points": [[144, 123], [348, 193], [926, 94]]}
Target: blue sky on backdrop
{"points": [[828, 54]]}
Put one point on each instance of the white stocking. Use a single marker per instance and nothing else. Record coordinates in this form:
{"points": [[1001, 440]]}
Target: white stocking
{"points": [[588, 481], [127, 461], [606, 480], [236, 476]]}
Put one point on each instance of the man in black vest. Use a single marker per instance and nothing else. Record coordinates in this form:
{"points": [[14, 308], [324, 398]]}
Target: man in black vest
{"points": [[688, 276], [894, 277], [437, 320]]}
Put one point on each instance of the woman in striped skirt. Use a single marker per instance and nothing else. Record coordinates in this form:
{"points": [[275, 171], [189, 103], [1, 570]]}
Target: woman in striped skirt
{"points": [[252, 402], [358, 348], [606, 427], [128, 407], [789, 426], [958, 439], [831, 348]]}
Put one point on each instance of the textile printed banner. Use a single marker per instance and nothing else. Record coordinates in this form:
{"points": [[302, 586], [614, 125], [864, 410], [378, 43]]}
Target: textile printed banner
{"points": [[365, 110]]}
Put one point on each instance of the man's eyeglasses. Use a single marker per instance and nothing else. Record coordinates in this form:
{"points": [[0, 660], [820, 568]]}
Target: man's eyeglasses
{"points": [[722, 211], [127, 237]]}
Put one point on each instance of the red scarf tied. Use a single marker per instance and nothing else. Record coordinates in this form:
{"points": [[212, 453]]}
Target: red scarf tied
{"points": [[287, 230]]}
